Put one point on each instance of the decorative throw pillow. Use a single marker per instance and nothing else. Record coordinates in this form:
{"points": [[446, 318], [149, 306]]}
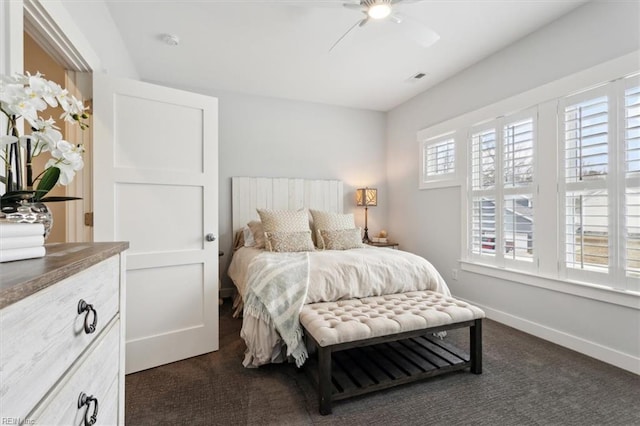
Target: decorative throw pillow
{"points": [[332, 221], [281, 241], [258, 233], [284, 220], [341, 239], [328, 221]]}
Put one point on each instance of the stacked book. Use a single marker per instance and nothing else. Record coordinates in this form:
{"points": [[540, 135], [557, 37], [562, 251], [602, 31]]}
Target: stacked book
{"points": [[21, 241]]}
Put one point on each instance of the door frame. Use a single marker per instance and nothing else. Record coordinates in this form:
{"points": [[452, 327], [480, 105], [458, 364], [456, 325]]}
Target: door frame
{"points": [[12, 47], [50, 25], [11, 50]]}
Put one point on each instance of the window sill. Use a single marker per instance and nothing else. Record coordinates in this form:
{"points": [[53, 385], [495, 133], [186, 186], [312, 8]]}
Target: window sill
{"points": [[629, 299]]}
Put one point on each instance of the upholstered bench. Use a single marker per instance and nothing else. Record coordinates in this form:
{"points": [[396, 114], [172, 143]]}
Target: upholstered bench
{"points": [[374, 343]]}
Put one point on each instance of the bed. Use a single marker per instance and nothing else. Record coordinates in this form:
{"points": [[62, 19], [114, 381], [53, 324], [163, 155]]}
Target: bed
{"points": [[308, 276]]}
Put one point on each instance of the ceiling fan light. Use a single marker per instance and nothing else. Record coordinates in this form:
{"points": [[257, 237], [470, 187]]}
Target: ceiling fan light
{"points": [[379, 11]]}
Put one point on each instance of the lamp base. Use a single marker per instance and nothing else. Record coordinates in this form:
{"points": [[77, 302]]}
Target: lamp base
{"points": [[366, 239]]}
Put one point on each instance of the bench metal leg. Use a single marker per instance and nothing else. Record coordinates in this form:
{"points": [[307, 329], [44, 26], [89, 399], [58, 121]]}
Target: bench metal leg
{"points": [[324, 380], [475, 343]]}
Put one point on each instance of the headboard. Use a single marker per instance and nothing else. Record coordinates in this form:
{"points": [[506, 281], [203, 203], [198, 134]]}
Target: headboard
{"points": [[251, 193]]}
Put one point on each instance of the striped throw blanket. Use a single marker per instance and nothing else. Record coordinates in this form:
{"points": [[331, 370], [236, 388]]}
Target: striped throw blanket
{"points": [[276, 290]]}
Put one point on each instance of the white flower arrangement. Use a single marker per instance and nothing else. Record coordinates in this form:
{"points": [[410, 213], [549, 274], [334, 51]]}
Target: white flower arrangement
{"points": [[25, 96]]}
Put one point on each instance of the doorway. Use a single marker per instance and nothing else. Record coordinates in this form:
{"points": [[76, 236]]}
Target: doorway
{"points": [[72, 219], [139, 192]]}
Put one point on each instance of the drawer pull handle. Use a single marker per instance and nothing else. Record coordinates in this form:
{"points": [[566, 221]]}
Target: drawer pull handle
{"points": [[83, 399], [85, 307]]}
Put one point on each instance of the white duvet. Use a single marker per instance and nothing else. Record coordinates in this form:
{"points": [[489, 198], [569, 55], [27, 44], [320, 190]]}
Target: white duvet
{"points": [[335, 275]]}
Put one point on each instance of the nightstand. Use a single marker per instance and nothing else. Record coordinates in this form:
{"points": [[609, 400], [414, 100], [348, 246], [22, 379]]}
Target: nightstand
{"points": [[387, 244]]}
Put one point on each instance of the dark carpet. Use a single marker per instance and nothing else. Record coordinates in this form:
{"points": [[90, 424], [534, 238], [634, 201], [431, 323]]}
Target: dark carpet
{"points": [[525, 381]]}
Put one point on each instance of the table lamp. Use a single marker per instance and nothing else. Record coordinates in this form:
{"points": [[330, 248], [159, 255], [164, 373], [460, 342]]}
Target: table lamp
{"points": [[366, 197]]}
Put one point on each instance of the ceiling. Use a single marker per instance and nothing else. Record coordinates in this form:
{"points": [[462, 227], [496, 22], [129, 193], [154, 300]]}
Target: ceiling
{"points": [[281, 48]]}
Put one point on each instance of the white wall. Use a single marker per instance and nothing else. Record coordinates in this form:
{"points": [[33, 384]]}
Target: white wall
{"points": [[261, 136], [89, 25], [280, 138], [428, 222]]}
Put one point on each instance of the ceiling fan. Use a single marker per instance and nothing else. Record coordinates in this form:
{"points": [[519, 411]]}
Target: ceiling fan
{"points": [[379, 10]]}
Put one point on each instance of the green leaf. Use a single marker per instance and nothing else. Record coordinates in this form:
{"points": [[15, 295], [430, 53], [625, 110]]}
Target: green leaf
{"points": [[18, 195], [47, 182], [13, 198], [54, 199]]}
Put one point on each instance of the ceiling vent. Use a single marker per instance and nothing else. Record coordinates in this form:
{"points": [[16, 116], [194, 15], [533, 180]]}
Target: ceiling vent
{"points": [[416, 77]]}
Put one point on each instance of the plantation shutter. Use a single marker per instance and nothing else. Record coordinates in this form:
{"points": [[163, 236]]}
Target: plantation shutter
{"points": [[586, 170], [587, 230], [632, 178], [501, 196], [483, 153], [587, 139], [483, 226], [518, 153], [517, 170], [483, 236], [440, 158]]}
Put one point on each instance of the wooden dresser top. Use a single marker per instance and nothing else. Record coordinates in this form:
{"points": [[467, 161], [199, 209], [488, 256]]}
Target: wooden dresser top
{"points": [[22, 278]]}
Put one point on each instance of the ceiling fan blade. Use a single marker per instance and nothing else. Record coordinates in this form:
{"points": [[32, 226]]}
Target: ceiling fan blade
{"points": [[357, 24], [395, 17], [406, 1], [356, 6], [416, 30]]}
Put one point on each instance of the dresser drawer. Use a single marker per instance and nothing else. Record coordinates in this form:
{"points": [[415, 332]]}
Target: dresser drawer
{"points": [[96, 375], [43, 335]]}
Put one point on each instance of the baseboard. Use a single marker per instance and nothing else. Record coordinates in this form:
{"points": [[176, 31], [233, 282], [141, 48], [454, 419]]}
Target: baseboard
{"points": [[594, 350]]}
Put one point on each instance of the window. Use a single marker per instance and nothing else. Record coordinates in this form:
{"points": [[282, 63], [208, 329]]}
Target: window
{"points": [[631, 178], [438, 161], [600, 184], [501, 190], [551, 193], [483, 146], [483, 194], [585, 121], [440, 158]]}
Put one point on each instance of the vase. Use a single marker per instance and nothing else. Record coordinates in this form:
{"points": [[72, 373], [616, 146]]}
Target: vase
{"points": [[32, 212]]}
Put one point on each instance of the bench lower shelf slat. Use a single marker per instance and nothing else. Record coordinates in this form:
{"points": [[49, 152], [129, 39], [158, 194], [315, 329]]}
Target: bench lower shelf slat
{"points": [[355, 368], [390, 364]]}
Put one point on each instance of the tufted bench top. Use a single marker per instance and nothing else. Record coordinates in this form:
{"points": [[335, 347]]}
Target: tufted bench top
{"points": [[330, 323]]}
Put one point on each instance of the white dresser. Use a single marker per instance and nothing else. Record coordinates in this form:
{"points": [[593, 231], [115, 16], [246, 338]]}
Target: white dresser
{"points": [[62, 336]]}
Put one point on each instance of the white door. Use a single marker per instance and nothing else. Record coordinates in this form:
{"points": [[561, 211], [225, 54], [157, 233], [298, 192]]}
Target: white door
{"points": [[156, 186]]}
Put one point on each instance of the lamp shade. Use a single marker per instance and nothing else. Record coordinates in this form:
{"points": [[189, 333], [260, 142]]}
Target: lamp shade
{"points": [[366, 197]]}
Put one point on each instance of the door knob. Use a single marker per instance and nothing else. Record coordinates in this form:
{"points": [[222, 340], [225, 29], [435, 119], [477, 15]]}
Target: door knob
{"points": [[210, 237]]}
